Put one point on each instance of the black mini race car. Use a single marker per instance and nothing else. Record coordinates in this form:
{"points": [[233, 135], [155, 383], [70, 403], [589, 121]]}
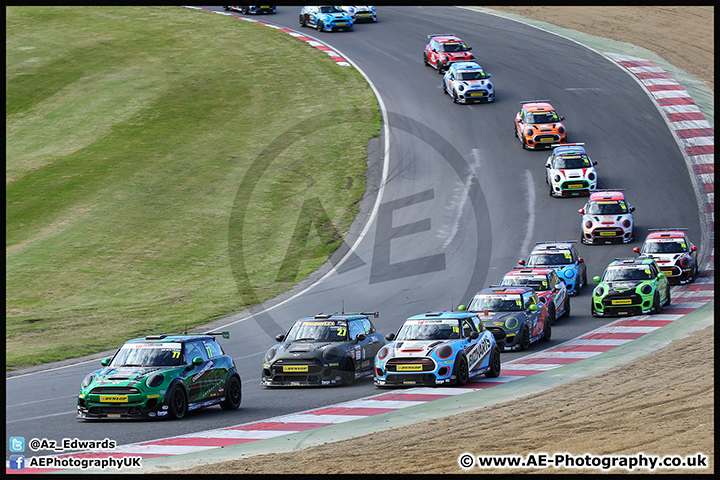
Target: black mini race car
{"points": [[323, 350]]}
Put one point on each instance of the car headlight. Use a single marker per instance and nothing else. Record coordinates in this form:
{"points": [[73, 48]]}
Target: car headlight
{"points": [[684, 262], [88, 380], [461, 87], [646, 289], [445, 351], [569, 273], [599, 291], [591, 176], [384, 351], [330, 353], [528, 132], [155, 380], [489, 86], [561, 129], [511, 323], [627, 223], [270, 354], [588, 224], [557, 178]]}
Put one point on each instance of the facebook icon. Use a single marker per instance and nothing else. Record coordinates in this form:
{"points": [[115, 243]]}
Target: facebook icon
{"points": [[17, 462]]}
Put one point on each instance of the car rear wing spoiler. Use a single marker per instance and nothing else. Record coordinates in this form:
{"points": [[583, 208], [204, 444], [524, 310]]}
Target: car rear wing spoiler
{"points": [[567, 144], [666, 229], [224, 334], [534, 101], [441, 35]]}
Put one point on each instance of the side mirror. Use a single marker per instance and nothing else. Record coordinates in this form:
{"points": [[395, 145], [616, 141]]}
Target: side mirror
{"points": [[580, 260], [636, 250], [661, 275], [469, 48], [521, 262], [280, 337], [631, 209], [474, 335], [594, 162], [582, 210], [105, 361], [596, 278], [360, 337], [562, 118], [197, 361], [533, 307], [489, 75], [462, 308], [694, 248], [390, 337]]}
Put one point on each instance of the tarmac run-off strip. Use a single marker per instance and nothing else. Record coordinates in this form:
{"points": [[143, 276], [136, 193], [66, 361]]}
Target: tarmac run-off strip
{"points": [[694, 134]]}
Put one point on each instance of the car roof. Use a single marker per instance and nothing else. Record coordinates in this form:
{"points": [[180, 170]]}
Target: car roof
{"points": [[164, 338], [466, 66], [447, 38], [531, 271], [560, 245], [667, 234], [542, 106], [339, 316], [507, 289], [569, 149], [442, 315], [607, 195], [633, 261]]}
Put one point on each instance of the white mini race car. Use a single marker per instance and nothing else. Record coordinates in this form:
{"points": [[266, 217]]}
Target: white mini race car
{"points": [[569, 171], [607, 218], [467, 82]]}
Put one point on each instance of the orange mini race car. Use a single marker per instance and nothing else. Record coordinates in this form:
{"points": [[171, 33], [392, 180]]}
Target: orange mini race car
{"points": [[537, 125]]}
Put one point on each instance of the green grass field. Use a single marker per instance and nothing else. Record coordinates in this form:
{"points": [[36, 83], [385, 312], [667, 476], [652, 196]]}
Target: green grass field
{"points": [[166, 167]]}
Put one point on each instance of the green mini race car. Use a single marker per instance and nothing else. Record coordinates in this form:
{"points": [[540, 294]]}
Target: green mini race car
{"points": [[161, 376], [325, 349], [630, 286]]}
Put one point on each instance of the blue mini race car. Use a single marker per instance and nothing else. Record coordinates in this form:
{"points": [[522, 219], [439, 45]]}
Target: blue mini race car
{"points": [[326, 18], [438, 348], [563, 257]]}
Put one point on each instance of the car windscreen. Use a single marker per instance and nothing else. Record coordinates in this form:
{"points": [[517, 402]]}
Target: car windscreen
{"points": [[496, 303], [444, 329], [471, 75], [665, 247], [331, 10], [616, 274], [574, 161], [148, 354], [537, 283], [550, 259], [544, 117], [452, 47], [611, 207], [318, 331]]}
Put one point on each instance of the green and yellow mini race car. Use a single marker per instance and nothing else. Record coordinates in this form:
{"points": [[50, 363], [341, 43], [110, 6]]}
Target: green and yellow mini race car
{"points": [[161, 376], [630, 286]]}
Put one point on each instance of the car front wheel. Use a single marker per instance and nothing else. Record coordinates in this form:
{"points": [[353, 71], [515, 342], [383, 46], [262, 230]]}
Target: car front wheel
{"points": [[461, 371], [347, 374], [177, 403]]}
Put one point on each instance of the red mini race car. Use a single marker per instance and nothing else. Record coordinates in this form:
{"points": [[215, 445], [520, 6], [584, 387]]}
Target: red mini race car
{"points": [[444, 49], [537, 125]]}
